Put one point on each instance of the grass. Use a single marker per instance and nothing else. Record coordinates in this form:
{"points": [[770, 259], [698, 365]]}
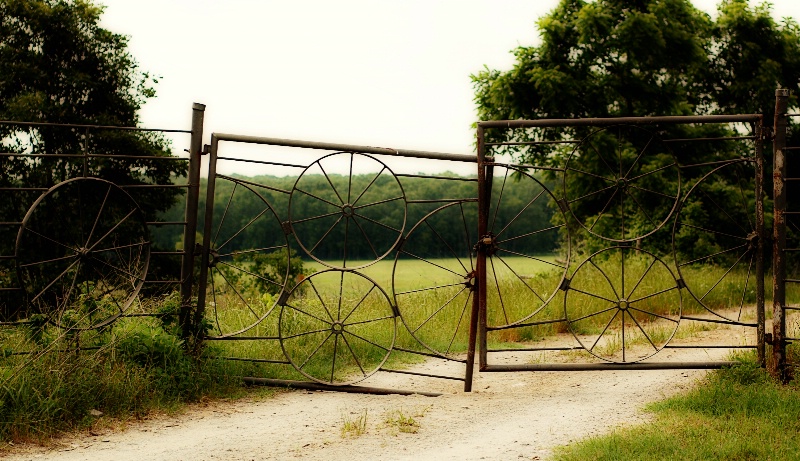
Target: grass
{"points": [[736, 414], [354, 426]]}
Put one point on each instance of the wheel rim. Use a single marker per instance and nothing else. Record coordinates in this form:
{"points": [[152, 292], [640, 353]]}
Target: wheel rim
{"points": [[637, 187], [241, 295], [337, 327], [623, 304], [86, 273], [350, 218]]}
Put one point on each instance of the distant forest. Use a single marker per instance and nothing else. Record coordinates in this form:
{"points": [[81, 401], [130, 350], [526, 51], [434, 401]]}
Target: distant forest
{"points": [[315, 218]]}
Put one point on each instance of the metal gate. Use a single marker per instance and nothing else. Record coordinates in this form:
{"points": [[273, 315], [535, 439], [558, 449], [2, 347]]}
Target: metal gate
{"points": [[625, 233]]}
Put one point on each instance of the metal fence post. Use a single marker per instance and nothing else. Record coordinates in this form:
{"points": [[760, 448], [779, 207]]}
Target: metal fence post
{"points": [[759, 193], [778, 365], [190, 217]]}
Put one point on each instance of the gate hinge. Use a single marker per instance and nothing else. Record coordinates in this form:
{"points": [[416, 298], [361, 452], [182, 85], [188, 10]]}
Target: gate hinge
{"points": [[562, 204], [198, 249], [564, 284], [681, 284], [284, 297], [206, 149], [395, 310], [287, 227]]}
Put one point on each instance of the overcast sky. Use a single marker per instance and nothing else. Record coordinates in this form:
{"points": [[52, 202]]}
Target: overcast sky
{"points": [[369, 72]]}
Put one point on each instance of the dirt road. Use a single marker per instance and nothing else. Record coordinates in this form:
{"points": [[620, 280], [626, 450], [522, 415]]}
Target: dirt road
{"points": [[509, 416]]}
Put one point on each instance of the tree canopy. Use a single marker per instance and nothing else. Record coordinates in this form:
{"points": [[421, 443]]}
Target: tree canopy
{"points": [[612, 58]]}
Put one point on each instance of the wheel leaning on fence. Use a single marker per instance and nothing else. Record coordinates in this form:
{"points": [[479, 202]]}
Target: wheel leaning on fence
{"points": [[82, 253]]}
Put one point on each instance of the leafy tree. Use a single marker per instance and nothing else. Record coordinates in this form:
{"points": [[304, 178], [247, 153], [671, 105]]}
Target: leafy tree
{"points": [[611, 58], [57, 65]]}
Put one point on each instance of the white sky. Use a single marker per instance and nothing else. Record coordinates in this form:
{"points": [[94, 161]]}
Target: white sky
{"points": [[386, 73]]}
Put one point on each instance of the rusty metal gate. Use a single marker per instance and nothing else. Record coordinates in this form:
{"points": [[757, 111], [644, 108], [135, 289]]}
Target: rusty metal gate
{"points": [[629, 234]]}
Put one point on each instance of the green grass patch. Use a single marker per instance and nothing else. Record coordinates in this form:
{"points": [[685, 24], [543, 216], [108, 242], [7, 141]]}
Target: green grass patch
{"points": [[735, 414]]}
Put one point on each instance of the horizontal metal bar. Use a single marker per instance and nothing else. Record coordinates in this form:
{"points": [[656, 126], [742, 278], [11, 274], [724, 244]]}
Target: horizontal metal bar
{"points": [[791, 339], [446, 178], [537, 349], [91, 127], [166, 223], [524, 166], [152, 186], [240, 338], [718, 162], [726, 322], [261, 162], [620, 120], [791, 280], [791, 308], [344, 147], [246, 359], [7, 257], [11, 223], [11, 154], [792, 115], [409, 351], [413, 373], [724, 138], [791, 148], [521, 325], [163, 282], [609, 366], [444, 200], [530, 143], [668, 346], [167, 253], [11, 289], [321, 387], [138, 157], [230, 178], [12, 189]]}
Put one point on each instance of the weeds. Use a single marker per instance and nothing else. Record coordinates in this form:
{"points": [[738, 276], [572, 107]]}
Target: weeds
{"points": [[354, 426], [401, 421]]}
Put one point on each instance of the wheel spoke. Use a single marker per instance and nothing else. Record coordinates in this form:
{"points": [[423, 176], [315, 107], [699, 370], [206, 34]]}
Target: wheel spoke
{"points": [[431, 263], [324, 306], [613, 186], [638, 157], [306, 333], [364, 322], [325, 234], [605, 208], [531, 257], [253, 274], [713, 254], [610, 284], [419, 290], [118, 269], [516, 275], [111, 231], [649, 191], [603, 332], [439, 309], [725, 212], [744, 200], [643, 210], [309, 314], [446, 244], [643, 331], [652, 313], [333, 361], [49, 239], [225, 212], [250, 223], [644, 274], [353, 354], [529, 234], [348, 332], [714, 231], [531, 202], [499, 199], [97, 218], [723, 276], [569, 168], [369, 185], [242, 298], [57, 278], [379, 202], [584, 317], [358, 304], [660, 292], [319, 198], [613, 172], [377, 222], [746, 284], [326, 215], [254, 250], [644, 175], [499, 294], [48, 261], [458, 326], [305, 362], [366, 237], [327, 178]]}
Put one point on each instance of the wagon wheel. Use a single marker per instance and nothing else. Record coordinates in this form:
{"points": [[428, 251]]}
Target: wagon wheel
{"points": [[248, 262], [332, 225], [621, 183], [520, 243], [337, 327], [623, 304], [83, 267], [715, 232], [434, 291]]}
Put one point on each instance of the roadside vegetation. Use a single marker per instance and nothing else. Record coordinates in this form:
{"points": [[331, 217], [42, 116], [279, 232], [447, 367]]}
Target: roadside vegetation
{"points": [[735, 414]]}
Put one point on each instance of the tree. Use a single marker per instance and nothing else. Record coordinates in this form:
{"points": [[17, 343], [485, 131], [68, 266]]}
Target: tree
{"points": [[58, 66], [612, 58]]}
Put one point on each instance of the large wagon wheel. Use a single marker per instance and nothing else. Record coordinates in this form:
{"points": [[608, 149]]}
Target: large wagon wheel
{"points": [[622, 183], [242, 241], [337, 327], [434, 291], [715, 232], [331, 225], [520, 244], [623, 304], [82, 253]]}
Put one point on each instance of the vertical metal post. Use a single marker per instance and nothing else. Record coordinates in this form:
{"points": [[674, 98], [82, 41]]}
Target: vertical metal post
{"points": [[778, 368], [759, 193], [212, 176], [190, 217], [480, 269]]}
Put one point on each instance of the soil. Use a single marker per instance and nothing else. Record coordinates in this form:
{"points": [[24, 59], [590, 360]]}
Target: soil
{"points": [[508, 416]]}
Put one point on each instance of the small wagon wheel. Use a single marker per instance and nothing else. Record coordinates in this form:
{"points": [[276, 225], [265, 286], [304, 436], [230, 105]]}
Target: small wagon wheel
{"points": [[622, 183], [434, 292], [521, 235], [623, 304], [329, 225], [248, 262], [716, 228], [83, 268], [337, 327]]}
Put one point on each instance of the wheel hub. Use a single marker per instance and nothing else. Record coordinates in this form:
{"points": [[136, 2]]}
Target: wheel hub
{"points": [[337, 328], [348, 211]]}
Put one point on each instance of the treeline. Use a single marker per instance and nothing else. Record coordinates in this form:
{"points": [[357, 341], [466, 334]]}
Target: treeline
{"points": [[376, 219]]}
